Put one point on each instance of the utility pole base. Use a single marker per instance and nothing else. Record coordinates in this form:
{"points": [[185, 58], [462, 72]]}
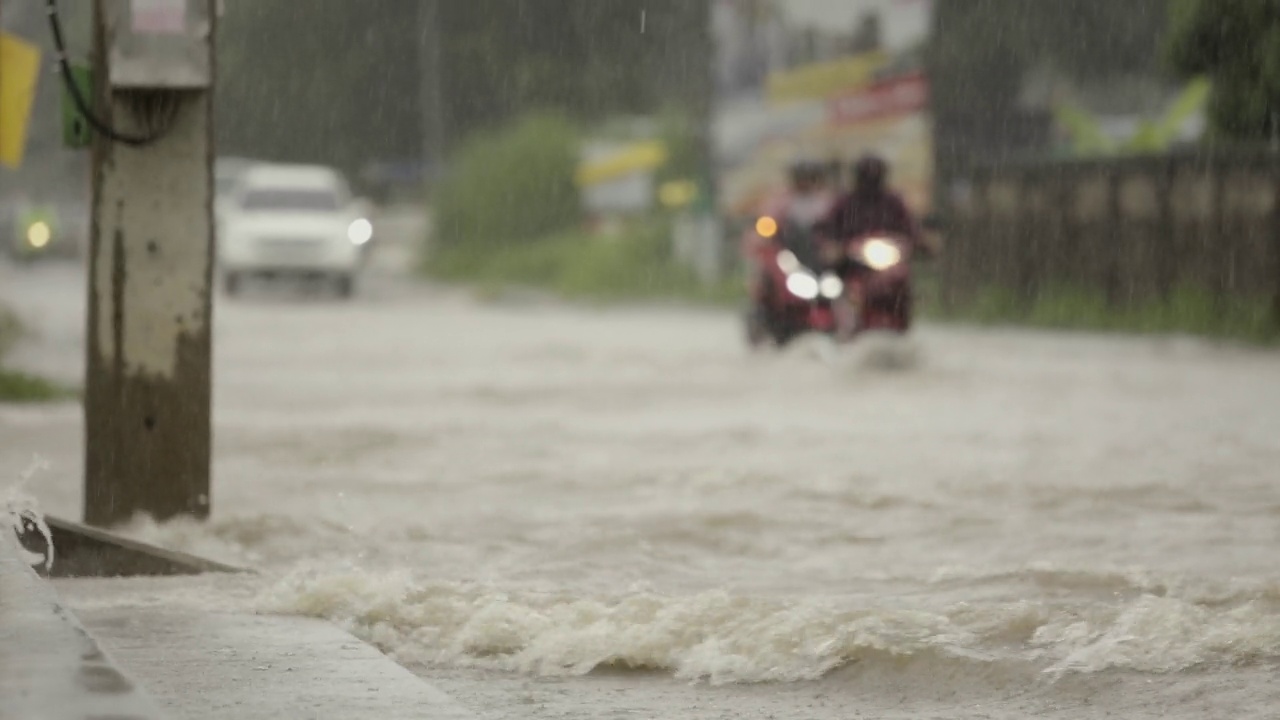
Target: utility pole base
{"points": [[149, 345]]}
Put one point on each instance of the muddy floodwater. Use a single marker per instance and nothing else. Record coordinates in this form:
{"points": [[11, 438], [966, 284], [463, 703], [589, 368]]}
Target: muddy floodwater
{"points": [[556, 512]]}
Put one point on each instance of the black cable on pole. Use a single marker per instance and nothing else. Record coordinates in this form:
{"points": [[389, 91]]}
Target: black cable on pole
{"points": [[64, 65]]}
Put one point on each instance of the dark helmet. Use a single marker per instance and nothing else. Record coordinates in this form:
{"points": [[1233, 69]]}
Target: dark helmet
{"points": [[870, 173]]}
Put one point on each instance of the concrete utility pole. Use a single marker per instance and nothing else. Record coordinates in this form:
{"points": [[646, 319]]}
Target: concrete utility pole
{"points": [[149, 341], [430, 60]]}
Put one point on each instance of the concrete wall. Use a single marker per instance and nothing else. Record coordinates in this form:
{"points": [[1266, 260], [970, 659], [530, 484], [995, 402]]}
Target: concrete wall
{"points": [[1134, 230]]}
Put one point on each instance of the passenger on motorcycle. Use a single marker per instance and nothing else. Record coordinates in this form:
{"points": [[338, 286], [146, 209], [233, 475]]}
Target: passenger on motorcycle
{"points": [[869, 207], [810, 198], [807, 200]]}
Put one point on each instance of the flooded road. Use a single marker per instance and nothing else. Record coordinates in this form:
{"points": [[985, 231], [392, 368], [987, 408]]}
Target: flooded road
{"points": [[570, 513]]}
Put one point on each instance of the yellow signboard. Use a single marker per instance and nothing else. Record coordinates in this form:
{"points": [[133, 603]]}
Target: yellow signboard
{"points": [[642, 156], [678, 193], [19, 69], [820, 80]]}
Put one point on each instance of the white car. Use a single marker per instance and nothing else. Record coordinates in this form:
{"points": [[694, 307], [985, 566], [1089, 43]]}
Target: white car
{"points": [[226, 174], [292, 220]]}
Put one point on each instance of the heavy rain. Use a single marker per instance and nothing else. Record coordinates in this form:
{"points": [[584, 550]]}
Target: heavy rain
{"points": [[580, 359]]}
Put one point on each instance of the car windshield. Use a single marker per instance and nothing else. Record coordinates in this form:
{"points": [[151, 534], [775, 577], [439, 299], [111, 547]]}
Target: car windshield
{"points": [[225, 184], [290, 199]]}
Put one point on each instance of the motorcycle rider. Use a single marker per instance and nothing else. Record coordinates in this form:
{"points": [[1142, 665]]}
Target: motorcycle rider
{"points": [[869, 207], [807, 200], [810, 198], [786, 221]]}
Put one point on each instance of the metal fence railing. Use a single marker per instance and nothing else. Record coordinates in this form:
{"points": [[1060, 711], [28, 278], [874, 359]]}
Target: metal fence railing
{"points": [[1134, 230]]}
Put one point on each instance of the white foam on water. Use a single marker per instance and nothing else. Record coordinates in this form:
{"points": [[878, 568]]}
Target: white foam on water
{"points": [[185, 534], [718, 637], [870, 352], [710, 636], [269, 539], [1161, 635], [21, 509]]}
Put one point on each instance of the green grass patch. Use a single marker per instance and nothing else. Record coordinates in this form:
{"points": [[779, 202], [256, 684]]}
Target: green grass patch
{"points": [[1188, 311], [19, 387], [636, 266], [10, 330], [510, 185], [503, 219], [632, 266]]}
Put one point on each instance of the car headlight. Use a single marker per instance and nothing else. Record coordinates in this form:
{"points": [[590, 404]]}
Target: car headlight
{"points": [[831, 286], [880, 254], [803, 285], [39, 235], [360, 231]]}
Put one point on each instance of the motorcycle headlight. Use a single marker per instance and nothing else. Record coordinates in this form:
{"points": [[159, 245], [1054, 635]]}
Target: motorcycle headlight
{"points": [[788, 262], [880, 254], [39, 235], [803, 285], [831, 286]]}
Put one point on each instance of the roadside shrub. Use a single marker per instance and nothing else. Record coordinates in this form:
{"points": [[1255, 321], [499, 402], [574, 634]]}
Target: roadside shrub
{"points": [[1189, 310], [634, 265], [18, 386], [10, 330], [510, 186]]}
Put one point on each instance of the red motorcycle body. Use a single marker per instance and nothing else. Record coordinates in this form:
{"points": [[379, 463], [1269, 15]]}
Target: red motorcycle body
{"points": [[876, 271], [867, 289], [776, 246]]}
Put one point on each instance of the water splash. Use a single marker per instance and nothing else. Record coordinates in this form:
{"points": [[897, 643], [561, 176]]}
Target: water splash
{"points": [[22, 513], [873, 351]]}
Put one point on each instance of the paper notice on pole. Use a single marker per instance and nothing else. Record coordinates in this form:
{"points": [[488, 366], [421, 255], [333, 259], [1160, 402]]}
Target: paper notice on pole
{"points": [[19, 72], [159, 17]]}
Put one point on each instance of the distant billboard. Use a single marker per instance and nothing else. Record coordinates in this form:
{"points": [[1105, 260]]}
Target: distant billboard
{"points": [[823, 79]]}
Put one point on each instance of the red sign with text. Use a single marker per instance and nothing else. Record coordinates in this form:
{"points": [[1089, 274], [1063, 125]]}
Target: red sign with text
{"points": [[886, 99]]}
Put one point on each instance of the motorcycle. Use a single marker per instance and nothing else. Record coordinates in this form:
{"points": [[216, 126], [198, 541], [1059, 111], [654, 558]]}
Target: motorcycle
{"points": [[875, 271], [867, 288], [790, 296]]}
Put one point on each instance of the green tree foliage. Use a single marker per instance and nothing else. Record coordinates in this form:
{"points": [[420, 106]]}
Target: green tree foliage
{"points": [[1153, 135], [340, 80], [982, 50], [511, 185], [590, 58], [324, 80], [1237, 44], [678, 131], [990, 43]]}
